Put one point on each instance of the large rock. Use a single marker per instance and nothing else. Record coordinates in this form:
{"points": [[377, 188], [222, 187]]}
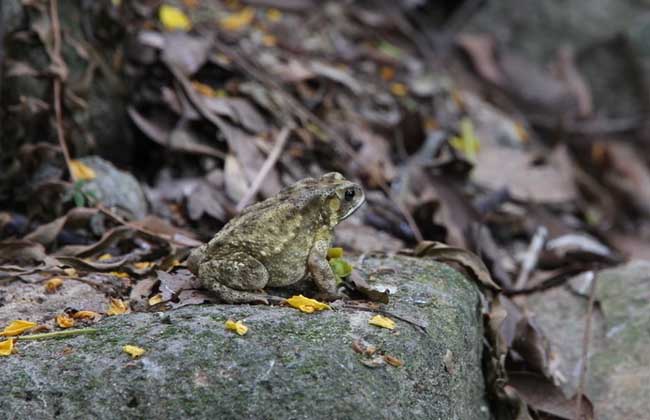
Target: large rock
{"points": [[619, 362], [290, 365]]}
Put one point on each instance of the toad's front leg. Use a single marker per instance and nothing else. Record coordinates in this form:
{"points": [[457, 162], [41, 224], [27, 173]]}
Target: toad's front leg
{"points": [[319, 268]]}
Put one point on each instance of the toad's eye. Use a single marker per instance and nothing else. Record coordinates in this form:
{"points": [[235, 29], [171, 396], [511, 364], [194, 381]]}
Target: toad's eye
{"points": [[349, 195]]}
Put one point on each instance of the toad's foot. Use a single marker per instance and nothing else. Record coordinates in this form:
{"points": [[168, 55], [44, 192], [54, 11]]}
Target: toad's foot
{"points": [[228, 295]]}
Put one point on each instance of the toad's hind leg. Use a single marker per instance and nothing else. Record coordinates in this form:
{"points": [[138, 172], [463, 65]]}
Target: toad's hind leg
{"points": [[234, 278]]}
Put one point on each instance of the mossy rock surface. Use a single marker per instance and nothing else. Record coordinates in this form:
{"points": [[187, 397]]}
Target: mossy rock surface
{"points": [[290, 365]]}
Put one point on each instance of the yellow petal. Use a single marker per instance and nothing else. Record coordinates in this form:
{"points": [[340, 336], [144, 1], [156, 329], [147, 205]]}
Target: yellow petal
{"points": [[81, 172], [120, 274], [274, 15], [6, 347], [238, 20], [398, 89], [236, 326], [203, 89], [382, 321], [70, 272], [307, 305], [85, 315], [173, 18], [117, 307], [143, 265], [155, 299], [64, 321], [53, 284], [104, 257], [17, 327], [134, 351], [334, 253]]}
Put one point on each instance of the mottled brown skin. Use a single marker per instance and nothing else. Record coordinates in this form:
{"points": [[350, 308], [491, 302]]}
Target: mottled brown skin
{"points": [[278, 241]]}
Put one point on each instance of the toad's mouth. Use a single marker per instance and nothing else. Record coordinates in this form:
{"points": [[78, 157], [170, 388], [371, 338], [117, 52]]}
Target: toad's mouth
{"points": [[353, 209]]}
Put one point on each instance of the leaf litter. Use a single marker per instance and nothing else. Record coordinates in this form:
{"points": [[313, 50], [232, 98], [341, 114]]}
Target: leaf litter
{"points": [[437, 159]]}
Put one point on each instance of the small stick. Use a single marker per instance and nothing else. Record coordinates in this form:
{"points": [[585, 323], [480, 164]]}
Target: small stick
{"points": [[532, 255], [58, 334], [585, 346], [56, 35], [266, 167]]}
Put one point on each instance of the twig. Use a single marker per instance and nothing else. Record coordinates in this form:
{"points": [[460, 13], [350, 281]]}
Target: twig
{"points": [[417, 326], [532, 255], [585, 346], [266, 167], [58, 75], [121, 221], [58, 334]]}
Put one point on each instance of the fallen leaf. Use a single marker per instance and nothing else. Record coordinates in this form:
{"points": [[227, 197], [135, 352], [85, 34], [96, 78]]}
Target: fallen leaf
{"points": [[362, 347], [53, 284], [64, 321], [382, 321], [236, 326], [374, 362], [393, 361], [120, 274], [307, 305], [117, 307], [466, 141], [468, 260], [239, 20], [133, 351], [104, 257], [6, 347], [81, 172], [173, 18], [17, 327]]}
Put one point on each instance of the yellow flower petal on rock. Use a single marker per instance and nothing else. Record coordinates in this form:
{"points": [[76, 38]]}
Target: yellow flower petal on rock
{"points": [[238, 20], [64, 321], [80, 171], [17, 327], [382, 321], [117, 307], [134, 351], [155, 299], [173, 18], [6, 347], [236, 326], [53, 284], [306, 304], [85, 315]]}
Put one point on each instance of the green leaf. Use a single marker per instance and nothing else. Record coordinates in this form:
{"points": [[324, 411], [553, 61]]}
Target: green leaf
{"points": [[79, 199]]}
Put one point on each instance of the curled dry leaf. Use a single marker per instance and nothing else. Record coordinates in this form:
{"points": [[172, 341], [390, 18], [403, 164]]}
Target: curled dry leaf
{"points": [[468, 260], [393, 361], [64, 321], [53, 284], [117, 307]]}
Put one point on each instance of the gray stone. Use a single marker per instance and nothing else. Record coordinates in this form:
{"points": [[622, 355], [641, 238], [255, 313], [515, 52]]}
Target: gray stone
{"points": [[290, 365], [116, 189], [619, 362]]}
